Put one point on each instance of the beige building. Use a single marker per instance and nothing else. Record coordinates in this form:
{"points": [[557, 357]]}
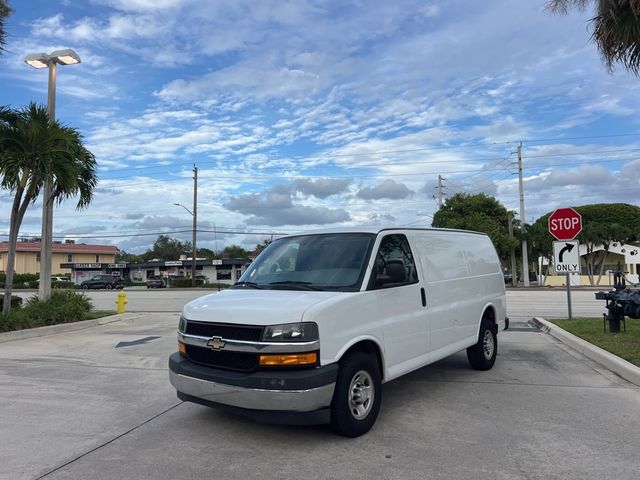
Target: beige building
{"points": [[625, 257], [28, 256]]}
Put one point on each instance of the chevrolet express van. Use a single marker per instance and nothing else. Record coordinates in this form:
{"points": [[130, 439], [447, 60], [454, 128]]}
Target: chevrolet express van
{"points": [[319, 321]]}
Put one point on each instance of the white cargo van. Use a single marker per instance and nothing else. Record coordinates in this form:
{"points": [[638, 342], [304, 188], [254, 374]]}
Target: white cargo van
{"points": [[319, 321]]}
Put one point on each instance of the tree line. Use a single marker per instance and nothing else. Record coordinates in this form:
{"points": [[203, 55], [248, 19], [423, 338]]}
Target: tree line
{"points": [[167, 248]]}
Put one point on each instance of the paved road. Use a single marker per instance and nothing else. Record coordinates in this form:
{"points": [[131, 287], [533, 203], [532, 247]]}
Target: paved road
{"points": [[75, 406], [521, 304]]}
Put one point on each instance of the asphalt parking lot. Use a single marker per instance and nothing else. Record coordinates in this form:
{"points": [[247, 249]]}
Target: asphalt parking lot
{"points": [[96, 403]]}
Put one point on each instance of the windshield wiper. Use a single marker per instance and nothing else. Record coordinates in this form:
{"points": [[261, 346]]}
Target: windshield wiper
{"points": [[247, 285], [299, 285]]}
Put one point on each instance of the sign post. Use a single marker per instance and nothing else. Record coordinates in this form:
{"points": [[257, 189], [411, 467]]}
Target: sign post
{"points": [[565, 224]]}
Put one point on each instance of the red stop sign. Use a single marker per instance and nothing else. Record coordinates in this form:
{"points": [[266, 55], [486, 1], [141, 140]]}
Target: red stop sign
{"points": [[565, 224]]}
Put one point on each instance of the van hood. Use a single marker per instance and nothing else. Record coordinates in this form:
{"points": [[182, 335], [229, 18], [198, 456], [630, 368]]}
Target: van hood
{"points": [[254, 307]]}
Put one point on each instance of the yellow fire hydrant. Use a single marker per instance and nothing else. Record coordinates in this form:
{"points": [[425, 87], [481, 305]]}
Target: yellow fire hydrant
{"points": [[121, 302]]}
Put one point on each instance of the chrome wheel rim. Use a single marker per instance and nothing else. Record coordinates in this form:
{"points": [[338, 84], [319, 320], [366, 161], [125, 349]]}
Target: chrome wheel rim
{"points": [[361, 395], [488, 345]]}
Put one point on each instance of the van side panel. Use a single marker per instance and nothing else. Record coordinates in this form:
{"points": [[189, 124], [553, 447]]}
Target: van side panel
{"points": [[462, 276]]}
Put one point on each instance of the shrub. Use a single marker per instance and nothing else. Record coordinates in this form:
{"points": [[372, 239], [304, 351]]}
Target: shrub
{"points": [[185, 282], [20, 278], [219, 286], [63, 306]]}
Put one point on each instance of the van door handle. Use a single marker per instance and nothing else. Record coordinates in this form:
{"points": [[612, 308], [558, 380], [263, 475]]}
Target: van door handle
{"points": [[424, 297]]}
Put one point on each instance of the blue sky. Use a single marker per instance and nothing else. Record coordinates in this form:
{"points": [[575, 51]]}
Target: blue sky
{"points": [[309, 114]]}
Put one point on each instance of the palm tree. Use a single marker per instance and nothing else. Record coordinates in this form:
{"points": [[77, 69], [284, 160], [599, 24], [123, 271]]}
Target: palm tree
{"points": [[616, 29], [33, 149], [5, 11]]}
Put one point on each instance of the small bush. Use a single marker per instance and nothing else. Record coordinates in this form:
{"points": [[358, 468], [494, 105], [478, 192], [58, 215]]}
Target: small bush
{"points": [[20, 277], [185, 282], [63, 306], [219, 286]]}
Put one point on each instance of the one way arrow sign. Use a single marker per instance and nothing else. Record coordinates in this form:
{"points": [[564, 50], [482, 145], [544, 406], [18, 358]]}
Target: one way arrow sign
{"points": [[566, 257]]}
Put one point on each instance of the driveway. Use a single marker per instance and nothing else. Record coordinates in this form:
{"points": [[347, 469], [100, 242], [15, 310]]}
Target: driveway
{"points": [[96, 403]]}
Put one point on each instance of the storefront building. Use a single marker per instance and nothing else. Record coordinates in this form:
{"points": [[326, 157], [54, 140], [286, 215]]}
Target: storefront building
{"points": [[64, 254]]}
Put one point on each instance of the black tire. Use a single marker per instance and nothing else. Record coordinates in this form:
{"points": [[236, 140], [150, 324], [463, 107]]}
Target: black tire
{"points": [[108, 286], [359, 377], [483, 354], [85, 287]]}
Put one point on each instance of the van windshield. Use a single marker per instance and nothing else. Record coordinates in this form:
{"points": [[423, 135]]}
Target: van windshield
{"points": [[329, 262]]}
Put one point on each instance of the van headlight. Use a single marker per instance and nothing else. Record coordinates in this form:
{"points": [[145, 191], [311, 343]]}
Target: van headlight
{"points": [[291, 332], [182, 325]]}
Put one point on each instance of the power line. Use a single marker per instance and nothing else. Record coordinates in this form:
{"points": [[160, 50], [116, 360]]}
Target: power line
{"points": [[254, 176], [172, 232], [253, 173]]}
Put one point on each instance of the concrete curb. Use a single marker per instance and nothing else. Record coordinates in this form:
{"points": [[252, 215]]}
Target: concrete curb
{"points": [[617, 365], [61, 328]]}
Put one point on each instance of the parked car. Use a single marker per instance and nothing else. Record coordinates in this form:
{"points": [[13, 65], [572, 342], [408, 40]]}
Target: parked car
{"points": [[55, 279], [319, 321], [103, 281], [60, 279], [156, 281]]}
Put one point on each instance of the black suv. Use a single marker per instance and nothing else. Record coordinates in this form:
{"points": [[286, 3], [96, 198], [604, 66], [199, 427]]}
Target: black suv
{"points": [[103, 281]]}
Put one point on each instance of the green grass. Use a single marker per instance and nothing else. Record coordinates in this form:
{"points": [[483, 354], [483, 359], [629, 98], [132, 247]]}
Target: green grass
{"points": [[624, 344]]}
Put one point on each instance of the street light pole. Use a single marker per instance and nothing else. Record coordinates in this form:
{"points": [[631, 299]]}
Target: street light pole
{"points": [[195, 224], [42, 60], [194, 229]]}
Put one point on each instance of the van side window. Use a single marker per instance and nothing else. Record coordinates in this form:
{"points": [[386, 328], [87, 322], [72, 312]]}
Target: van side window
{"points": [[394, 265]]}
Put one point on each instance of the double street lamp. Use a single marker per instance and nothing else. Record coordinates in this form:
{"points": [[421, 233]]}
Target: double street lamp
{"points": [[50, 61]]}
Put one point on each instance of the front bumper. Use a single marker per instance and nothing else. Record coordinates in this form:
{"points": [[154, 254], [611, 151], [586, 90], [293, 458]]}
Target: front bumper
{"points": [[290, 391]]}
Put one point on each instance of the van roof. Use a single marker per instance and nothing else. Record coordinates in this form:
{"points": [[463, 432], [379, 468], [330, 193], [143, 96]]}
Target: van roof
{"points": [[376, 230]]}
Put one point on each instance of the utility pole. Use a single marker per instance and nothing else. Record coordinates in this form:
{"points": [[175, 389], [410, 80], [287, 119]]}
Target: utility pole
{"points": [[514, 270], [215, 239], [440, 191], [195, 224], [525, 257]]}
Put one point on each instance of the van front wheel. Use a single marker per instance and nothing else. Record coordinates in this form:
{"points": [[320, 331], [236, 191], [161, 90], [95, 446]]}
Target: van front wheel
{"points": [[482, 355], [357, 397]]}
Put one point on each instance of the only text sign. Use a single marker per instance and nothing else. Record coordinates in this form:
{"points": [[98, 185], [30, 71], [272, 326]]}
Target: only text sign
{"points": [[566, 257]]}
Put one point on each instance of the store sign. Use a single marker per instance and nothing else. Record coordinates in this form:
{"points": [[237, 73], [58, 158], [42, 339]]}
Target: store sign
{"points": [[87, 265], [173, 263], [216, 262], [117, 265]]}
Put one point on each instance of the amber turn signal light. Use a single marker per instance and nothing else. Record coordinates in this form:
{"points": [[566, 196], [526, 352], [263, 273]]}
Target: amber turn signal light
{"points": [[181, 348], [289, 360]]}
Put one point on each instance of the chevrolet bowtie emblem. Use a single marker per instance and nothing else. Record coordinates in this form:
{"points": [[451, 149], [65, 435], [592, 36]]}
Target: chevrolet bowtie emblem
{"points": [[216, 343]]}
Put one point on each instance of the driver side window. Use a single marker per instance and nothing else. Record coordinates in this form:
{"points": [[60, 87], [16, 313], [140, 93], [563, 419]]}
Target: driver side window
{"points": [[394, 265]]}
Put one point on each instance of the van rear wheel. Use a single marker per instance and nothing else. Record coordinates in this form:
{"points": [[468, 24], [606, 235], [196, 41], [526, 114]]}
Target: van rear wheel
{"points": [[358, 395], [482, 355]]}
